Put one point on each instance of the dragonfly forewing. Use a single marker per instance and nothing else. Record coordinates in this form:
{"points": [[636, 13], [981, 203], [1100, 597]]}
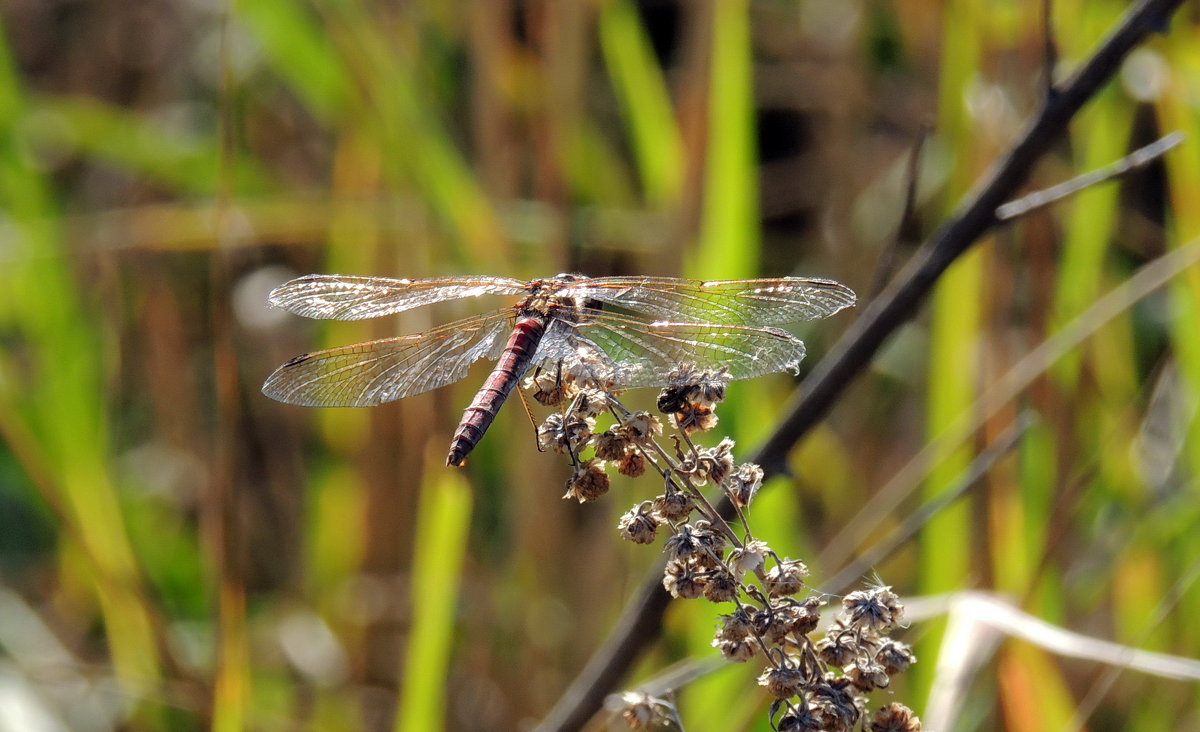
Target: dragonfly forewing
{"points": [[346, 297], [740, 302]]}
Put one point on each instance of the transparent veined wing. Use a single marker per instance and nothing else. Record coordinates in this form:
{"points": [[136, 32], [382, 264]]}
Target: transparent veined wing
{"points": [[348, 297], [623, 352], [741, 302], [366, 374]]}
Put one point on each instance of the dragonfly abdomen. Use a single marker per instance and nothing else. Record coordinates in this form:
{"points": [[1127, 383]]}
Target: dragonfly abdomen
{"points": [[513, 363]]}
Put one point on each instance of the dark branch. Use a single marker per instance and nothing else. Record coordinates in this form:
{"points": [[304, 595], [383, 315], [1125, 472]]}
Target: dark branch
{"points": [[639, 623]]}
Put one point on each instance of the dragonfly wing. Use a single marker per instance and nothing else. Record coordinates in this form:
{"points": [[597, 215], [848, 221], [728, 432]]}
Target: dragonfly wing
{"points": [[346, 297], [741, 302], [629, 353], [366, 374], [566, 346]]}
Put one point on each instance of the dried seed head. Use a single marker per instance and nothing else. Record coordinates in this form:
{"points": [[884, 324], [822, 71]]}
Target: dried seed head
{"points": [[579, 432], [588, 482], [551, 435], [684, 543], [683, 580], [895, 717], [713, 543], [642, 710], [642, 426], [720, 585], [743, 483], [564, 435], [592, 402], [895, 657], [793, 622], [876, 609], [718, 460], [639, 524], [548, 389], [833, 702], [632, 464], [839, 647], [693, 418], [807, 616], [586, 367], [674, 505], [772, 624], [786, 578], [800, 720], [867, 675], [707, 463], [738, 651], [672, 400], [688, 385], [749, 557], [737, 625], [784, 681], [690, 468], [711, 385], [612, 444]]}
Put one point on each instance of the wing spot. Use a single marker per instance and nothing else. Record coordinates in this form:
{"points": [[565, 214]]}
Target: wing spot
{"points": [[297, 360]]}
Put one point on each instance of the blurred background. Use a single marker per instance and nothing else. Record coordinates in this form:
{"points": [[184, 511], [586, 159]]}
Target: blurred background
{"points": [[177, 551]]}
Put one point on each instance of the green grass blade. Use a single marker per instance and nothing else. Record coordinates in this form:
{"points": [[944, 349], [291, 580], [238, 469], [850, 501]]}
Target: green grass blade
{"points": [[1100, 133], [645, 101], [1178, 111], [180, 161], [955, 322], [729, 236], [297, 46], [443, 520]]}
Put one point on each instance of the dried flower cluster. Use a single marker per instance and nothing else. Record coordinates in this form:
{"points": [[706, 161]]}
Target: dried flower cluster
{"points": [[816, 684]]}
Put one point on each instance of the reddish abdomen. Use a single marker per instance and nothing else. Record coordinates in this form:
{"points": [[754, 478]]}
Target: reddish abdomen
{"points": [[526, 335]]}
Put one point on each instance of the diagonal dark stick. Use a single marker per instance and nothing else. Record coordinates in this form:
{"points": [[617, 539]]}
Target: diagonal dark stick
{"points": [[639, 622]]}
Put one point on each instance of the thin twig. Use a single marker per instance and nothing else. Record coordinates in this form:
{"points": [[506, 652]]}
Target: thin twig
{"points": [[1135, 160], [640, 622], [916, 520], [1169, 603]]}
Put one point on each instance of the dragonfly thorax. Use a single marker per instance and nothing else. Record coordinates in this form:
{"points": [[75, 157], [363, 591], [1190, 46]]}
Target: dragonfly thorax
{"points": [[545, 298]]}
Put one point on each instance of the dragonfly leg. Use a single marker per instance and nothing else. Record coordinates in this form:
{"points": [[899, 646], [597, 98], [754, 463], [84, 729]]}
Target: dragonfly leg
{"points": [[529, 413]]}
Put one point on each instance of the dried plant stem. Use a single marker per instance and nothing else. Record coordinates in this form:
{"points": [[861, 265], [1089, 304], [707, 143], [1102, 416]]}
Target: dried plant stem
{"points": [[1135, 160]]}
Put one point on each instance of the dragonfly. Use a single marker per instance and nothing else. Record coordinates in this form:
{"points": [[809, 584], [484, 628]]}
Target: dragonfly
{"points": [[614, 332]]}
